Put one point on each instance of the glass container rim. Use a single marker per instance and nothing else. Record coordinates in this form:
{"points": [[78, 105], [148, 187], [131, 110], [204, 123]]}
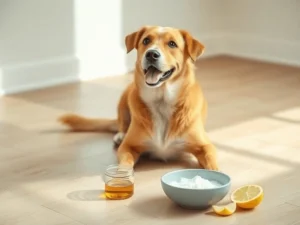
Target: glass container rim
{"points": [[126, 171]]}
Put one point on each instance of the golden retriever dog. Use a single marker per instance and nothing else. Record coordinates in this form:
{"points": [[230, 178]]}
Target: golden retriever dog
{"points": [[163, 111]]}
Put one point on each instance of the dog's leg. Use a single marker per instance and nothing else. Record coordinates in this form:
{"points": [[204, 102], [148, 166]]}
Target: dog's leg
{"points": [[199, 145], [205, 154], [132, 145], [123, 119], [128, 154], [124, 122]]}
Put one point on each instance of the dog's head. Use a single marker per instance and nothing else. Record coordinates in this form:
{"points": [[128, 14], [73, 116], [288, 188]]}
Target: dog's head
{"points": [[162, 52]]}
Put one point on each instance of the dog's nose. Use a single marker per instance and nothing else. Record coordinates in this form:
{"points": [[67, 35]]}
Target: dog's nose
{"points": [[152, 55]]}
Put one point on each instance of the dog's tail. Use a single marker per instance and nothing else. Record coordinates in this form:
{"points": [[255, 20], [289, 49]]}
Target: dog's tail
{"points": [[79, 123]]}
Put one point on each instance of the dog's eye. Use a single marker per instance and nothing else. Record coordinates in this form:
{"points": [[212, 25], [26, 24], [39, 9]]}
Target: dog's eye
{"points": [[146, 41], [172, 44]]}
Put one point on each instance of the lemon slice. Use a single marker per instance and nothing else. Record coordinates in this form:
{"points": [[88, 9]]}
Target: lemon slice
{"points": [[225, 210], [248, 196]]}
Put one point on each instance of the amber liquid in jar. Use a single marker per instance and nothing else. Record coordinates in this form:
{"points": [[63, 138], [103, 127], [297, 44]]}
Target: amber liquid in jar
{"points": [[119, 182], [119, 189]]}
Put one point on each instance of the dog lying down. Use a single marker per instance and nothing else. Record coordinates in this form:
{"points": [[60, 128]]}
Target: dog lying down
{"points": [[163, 111]]}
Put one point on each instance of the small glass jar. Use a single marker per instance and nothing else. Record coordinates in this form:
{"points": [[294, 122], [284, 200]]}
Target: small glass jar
{"points": [[119, 182]]}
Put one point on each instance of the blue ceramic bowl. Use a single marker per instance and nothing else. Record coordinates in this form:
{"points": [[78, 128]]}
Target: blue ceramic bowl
{"points": [[196, 198]]}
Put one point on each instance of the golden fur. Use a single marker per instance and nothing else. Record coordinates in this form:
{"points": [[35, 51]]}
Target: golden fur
{"points": [[166, 120]]}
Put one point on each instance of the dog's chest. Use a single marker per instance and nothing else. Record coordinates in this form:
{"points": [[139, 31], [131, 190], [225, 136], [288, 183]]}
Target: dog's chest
{"points": [[161, 116], [162, 106]]}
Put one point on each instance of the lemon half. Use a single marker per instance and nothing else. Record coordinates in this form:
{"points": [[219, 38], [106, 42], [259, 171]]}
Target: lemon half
{"points": [[248, 196]]}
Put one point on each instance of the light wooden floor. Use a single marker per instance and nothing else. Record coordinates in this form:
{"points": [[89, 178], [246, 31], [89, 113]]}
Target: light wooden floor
{"points": [[52, 177]]}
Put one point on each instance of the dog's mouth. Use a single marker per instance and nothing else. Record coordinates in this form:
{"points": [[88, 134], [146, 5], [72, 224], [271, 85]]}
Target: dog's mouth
{"points": [[154, 76]]}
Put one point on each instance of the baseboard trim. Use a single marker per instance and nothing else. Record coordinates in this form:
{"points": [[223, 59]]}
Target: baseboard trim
{"points": [[253, 47], [259, 48], [28, 76]]}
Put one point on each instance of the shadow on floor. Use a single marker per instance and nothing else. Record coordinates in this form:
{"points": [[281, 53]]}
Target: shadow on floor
{"points": [[87, 195]]}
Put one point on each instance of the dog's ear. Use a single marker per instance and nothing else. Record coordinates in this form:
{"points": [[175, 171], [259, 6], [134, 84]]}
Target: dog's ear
{"points": [[132, 40], [194, 47]]}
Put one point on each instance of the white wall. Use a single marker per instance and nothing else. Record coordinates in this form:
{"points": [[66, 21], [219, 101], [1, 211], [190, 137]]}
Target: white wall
{"points": [[46, 42], [99, 40], [36, 43], [268, 30]]}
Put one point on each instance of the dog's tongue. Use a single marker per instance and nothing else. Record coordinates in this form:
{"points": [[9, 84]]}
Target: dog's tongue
{"points": [[153, 75]]}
